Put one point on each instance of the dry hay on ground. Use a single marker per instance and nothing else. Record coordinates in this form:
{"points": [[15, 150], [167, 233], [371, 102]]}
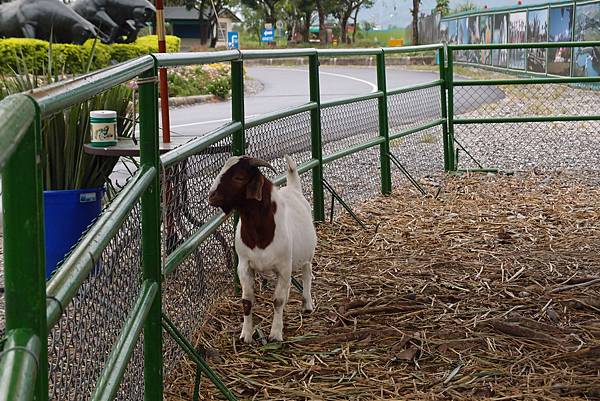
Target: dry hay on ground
{"points": [[489, 291]]}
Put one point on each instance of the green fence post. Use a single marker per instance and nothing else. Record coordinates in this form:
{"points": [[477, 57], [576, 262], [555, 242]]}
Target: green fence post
{"points": [[444, 108], [151, 247], [238, 142], [24, 247], [449, 81], [384, 148], [237, 106], [315, 130]]}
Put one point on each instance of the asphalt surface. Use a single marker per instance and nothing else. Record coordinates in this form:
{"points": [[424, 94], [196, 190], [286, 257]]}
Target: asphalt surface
{"points": [[287, 87]]}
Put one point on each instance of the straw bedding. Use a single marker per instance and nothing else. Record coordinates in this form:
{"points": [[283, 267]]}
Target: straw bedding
{"points": [[491, 290]]}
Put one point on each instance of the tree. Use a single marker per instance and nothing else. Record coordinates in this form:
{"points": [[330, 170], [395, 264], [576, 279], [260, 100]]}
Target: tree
{"points": [[208, 11], [344, 10], [324, 8], [442, 7], [265, 8], [415, 21], [466, 6]]}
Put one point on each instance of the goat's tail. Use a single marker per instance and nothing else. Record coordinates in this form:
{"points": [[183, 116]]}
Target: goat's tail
{"points": [[293, 179]]}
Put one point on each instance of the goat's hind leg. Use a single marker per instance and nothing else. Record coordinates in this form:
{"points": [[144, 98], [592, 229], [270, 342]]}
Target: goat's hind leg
{"points": [[246, 276], [280, 298], [307, 302]]}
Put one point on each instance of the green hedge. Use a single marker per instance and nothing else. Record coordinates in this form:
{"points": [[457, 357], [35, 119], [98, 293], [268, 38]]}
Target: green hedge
{"points": [[19, 53]]}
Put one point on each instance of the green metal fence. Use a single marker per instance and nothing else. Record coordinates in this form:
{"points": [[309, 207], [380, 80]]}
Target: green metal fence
{"points": [[123, 307]]}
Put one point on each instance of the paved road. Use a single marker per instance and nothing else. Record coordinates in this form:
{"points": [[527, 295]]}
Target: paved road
{"points": [[286, 87]]}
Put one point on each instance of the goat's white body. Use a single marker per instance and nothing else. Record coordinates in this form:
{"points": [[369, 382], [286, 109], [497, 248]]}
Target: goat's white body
{"points": [[292, 248]]}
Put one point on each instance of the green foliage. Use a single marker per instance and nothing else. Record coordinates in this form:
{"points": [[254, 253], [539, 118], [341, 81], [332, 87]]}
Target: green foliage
{"points": [[442, 6], [468, 5], [66, 165], [207, 79], [16, 53]]}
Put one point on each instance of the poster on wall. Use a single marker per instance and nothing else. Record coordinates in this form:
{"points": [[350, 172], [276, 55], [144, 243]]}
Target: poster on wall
{"points": [[587, 27], [537, 31], [463, 38], [473, 26], [453, 31], [560, 30], [444, 31], [516, 34], [499, 57], [485, 37]]}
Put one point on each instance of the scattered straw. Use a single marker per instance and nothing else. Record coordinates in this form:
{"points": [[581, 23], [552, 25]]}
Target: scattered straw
{"points": [[490, 291]]}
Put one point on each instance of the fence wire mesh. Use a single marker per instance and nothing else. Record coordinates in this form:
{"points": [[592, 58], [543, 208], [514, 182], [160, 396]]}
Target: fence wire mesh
{"points": [[289, 135], [525, 100], [529, 145], [421, 154], [79, 344], [411, 109], [348, 124], [207, 273], [355, 178]]}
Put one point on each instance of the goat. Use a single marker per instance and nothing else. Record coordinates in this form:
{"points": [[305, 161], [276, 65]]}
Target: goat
{"points": [[275, 234]]}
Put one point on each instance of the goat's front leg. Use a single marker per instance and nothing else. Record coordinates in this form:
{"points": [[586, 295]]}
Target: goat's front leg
{"points": [[246, 276], [280, 298]]}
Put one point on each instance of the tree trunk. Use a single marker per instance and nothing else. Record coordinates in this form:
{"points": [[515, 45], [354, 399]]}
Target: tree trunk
{"points": [[322, 31], [306, 32], [415, 22], [214, 29], [355, 24]]}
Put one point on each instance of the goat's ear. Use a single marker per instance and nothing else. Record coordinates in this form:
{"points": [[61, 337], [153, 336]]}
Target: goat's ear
{"points": [[254, 187]]}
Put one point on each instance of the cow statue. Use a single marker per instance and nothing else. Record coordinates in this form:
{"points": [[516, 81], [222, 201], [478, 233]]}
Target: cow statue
{"points": [[49, 20], [118, 20]]}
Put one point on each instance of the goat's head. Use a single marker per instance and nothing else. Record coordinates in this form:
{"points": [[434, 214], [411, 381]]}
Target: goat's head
{"points": [[239, 181]]}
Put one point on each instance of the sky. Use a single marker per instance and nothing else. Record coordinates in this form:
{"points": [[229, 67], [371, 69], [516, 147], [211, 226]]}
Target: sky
{"points": [[397, 12]]}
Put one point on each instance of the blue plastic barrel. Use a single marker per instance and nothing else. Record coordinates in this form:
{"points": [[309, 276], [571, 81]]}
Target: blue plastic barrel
{"points": [[67, 214]]}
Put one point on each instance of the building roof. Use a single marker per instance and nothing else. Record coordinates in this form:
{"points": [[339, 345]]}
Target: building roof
{"points": [[181, 13], [227, 13]]}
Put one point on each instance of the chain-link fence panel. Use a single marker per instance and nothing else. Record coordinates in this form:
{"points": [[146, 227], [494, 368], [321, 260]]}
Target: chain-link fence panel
{"points": [[355, 178], [420, 154], [207, 274], [349, 124], [525, 100], [411, 109], [185, 188], [288, 135], [525, 146], [79, 344]]}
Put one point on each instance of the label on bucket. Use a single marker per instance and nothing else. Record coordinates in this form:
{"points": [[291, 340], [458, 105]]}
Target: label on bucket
{"points": [[87, 197]]}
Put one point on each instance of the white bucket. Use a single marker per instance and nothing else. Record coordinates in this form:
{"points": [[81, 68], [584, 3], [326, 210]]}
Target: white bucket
{"points": [[103, 128]]}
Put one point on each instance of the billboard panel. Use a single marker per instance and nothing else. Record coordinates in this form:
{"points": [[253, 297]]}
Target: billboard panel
{"points": [[587, 27], [560, 25], [485, 37], [499, 35], [517, 23], [537, 31]]}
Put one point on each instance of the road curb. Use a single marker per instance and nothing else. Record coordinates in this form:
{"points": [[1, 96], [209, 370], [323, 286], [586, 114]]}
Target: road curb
{"points": [[347, 61]]}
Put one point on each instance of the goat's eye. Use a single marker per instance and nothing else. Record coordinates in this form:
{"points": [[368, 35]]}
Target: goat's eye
{"points": [[238, 178]]}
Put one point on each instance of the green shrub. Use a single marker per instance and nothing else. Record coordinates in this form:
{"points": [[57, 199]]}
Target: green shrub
{"points": [[72, 59], [150, 43], [219, 86]]}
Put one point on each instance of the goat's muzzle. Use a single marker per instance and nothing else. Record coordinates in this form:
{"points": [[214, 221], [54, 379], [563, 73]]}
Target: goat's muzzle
{"points": [[214, 199]]}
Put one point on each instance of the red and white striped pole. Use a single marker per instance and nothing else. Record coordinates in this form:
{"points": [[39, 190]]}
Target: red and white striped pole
{"points": [[162, 72]]}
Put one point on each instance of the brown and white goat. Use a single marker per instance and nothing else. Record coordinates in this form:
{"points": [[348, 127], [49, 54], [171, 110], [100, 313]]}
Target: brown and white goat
{"points": [[275, 234]]}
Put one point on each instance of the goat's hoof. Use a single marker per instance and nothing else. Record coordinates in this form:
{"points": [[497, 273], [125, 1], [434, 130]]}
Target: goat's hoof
{"points": [[308, 307], [276, 337], [246, 337]]}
